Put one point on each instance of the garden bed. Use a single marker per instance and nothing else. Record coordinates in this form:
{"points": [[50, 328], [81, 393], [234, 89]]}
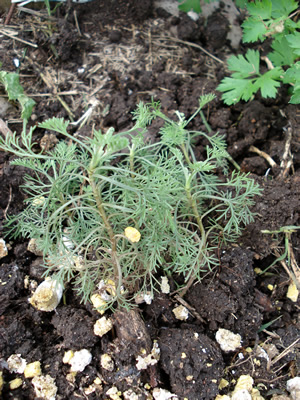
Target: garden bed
{"points": [[105, 59]]}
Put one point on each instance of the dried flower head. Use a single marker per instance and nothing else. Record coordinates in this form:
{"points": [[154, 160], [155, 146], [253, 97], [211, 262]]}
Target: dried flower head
{"points": [[132, 234]]}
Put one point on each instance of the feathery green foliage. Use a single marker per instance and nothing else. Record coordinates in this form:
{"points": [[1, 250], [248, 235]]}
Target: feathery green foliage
{"points": [[82, 195]]}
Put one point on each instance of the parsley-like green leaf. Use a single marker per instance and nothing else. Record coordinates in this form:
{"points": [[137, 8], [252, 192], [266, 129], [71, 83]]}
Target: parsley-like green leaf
{"points": [[269, 82], [236, 90], [295, 99], [247, 80], [253, 29], [292, 76], [241, 3], [261, 9], [267, 18], [283, 53], [294, 42], [283, 7], [244, 67]]}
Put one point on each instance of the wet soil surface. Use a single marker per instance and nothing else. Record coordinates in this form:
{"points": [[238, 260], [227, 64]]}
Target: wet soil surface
{"points": [[115, 54]]}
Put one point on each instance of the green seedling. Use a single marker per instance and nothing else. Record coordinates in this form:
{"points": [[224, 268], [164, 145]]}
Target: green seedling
{"points": [[268, 324], [287, 258], [113, 212], [15, 91], [274, 20]]}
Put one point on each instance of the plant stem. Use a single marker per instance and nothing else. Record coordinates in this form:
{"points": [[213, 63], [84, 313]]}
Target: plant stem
{"points": [[193, 205], [99, 202], [131, 161], [185, 153]]}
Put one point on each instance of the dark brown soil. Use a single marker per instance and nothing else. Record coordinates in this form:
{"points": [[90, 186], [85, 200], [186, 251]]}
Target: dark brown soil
{"points": [[119, 53]]}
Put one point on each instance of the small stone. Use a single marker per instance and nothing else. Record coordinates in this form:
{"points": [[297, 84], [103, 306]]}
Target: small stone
{"points": [[44, 387], [114, 393], [181, 313], [255, 395], [80, 360], [162, 394], [15, 383], [164, 286], [47, 295], [32, 247], [48, 141], [293, 386], [228, 340], [130, 395], [102, 326], [144, 298], [68, 356], [292, 292], [3, 249], [241, 394], [107, 362], [32, 369], [244, 382], [223, 383], [98, 303], [16, 363]]}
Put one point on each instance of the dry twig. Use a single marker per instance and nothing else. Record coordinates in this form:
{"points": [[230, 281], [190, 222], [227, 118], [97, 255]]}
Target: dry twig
{"points": [[287, 158], [266, 156]]}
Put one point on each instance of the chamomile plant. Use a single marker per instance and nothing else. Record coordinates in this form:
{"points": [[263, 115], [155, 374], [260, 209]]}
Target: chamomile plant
{"points": [[112, 210]]}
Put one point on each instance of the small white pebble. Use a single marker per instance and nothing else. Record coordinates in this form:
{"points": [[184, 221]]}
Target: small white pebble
{"points": [[32, 369], [32, 247], [244, 382], [114, 393], [181, 313], [143, 298], [151, 359], [293, 386], [130, 395], [293, 292], [102, 326], [47, 295], [241, 394], [162, 394], [107, 362], [16, 363], [80, 360], [164, 286], [68, 356], [3, 248], [15, 383], [44, 387], [228, 340]]}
